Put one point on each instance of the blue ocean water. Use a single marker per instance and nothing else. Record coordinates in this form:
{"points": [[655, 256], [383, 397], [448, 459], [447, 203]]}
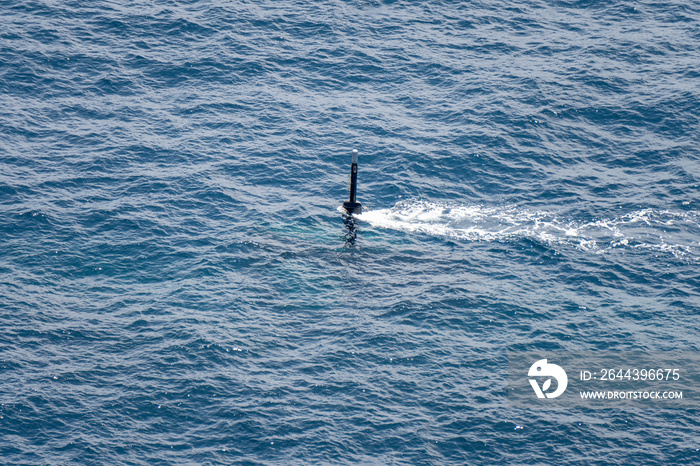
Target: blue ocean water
{"points": [[178, 286]]}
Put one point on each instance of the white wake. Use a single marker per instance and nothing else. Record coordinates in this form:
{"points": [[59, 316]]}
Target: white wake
{"points": [[677, 233]]}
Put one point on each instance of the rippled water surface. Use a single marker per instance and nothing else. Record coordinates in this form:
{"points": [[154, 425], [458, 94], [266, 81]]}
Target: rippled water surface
{"points": [[177, 283]]}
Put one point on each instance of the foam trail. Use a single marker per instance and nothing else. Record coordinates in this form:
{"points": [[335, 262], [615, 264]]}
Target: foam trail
{"points": [[658, 230]]}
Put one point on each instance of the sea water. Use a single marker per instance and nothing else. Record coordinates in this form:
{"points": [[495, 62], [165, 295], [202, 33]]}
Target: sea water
{"points": [[178, 286]]}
